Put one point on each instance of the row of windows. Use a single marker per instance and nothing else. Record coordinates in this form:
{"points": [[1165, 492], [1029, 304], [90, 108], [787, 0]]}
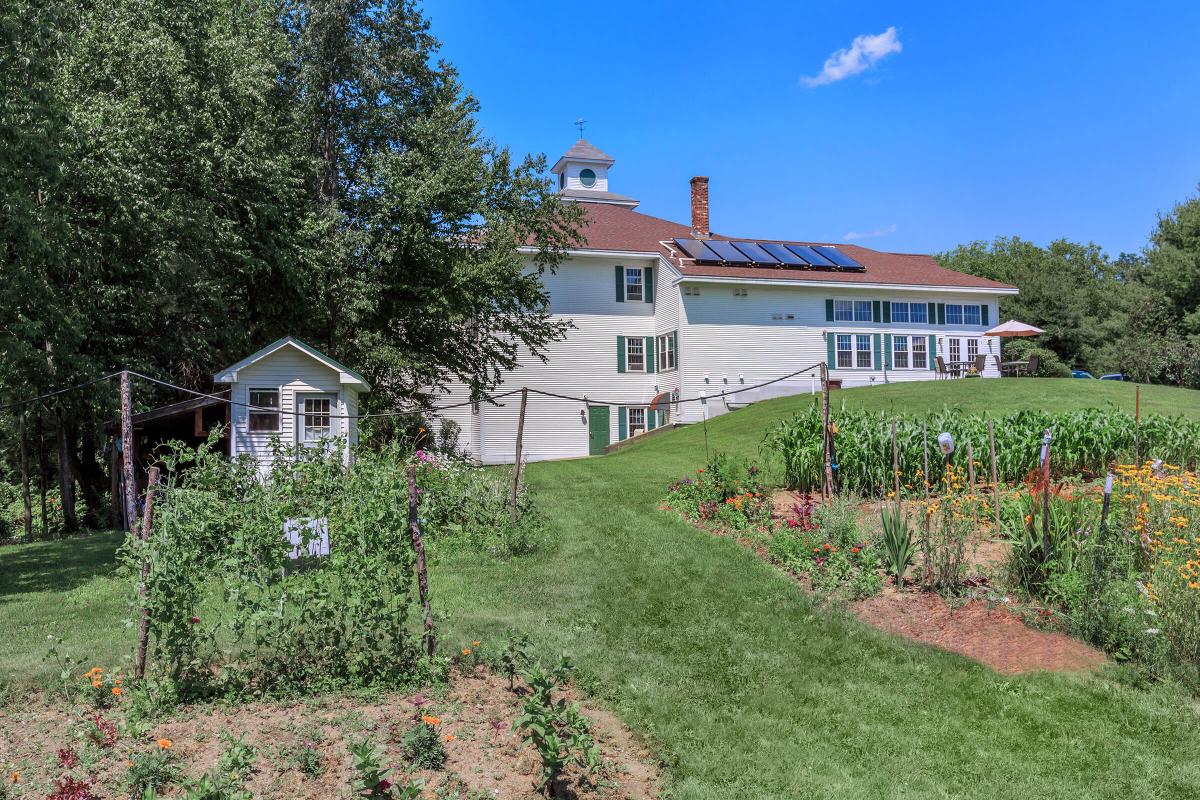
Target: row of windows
{"points": [[857, 350], [316, 419], [631, 352], [906, 312]]}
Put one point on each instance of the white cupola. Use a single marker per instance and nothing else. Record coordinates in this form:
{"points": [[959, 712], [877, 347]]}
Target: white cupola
{"points": [[583, 175]]}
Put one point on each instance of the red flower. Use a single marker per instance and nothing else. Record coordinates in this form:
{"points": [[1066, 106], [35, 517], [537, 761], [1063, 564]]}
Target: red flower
{"points": [[195, 620], [853, 549], [384, 785], [827, 545]]}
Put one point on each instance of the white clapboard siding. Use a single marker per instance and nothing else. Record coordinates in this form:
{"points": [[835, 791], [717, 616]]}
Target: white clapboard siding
{"points": [[725, 342], [294, 374]]}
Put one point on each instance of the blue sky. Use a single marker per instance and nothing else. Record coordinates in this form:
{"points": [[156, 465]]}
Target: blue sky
{"points": [[1075, 120]]}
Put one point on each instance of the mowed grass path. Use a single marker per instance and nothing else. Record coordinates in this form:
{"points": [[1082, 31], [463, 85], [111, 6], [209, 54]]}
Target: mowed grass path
{"points": [[746, 690]]}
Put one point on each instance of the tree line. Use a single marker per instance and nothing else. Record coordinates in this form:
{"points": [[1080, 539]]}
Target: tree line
{"points": [[1137, 314], [185, 180]]}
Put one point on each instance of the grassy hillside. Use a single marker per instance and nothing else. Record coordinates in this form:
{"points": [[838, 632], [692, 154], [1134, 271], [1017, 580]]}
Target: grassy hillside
{"points": [[746, 689]]}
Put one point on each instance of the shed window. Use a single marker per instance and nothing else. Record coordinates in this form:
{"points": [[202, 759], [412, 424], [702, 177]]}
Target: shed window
{"points": [[317, 419], [262, 418]]}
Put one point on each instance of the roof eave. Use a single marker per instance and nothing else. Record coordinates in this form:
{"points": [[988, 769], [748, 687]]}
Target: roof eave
{"points": [[904, 287]]}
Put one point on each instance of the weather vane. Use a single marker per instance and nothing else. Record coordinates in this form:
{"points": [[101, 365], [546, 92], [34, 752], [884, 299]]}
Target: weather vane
{"points": [[579, 123]]}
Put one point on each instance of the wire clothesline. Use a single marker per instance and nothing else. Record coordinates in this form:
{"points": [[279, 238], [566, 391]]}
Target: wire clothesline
{"points": [[702, 398]]}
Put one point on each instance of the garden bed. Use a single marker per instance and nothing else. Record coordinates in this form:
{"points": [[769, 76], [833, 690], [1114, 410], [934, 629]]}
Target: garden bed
{"points": [[302, 749]]}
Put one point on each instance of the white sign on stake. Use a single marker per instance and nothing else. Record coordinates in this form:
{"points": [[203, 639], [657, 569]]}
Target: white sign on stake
{"points": [[308, 538]]}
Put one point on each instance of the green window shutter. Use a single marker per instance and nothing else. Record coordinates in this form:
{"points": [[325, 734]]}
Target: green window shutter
{"points": [[983, 315], [829, 310], [650, 360], [620, 354], [648, 277], [933, 314], [878, 351], [675, 342], [620, 284], [887, 311], [651, 419], [941, 314], [830, 340], [876, 312], [887, 347], [932, 355], [622, 424]]}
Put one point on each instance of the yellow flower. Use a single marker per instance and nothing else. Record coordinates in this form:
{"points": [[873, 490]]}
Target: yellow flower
{"points": [[165, 744]]}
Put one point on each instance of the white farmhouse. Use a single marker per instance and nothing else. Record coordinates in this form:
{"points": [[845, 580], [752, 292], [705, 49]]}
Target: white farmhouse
{"points": [[664, 311], [293, 393]]}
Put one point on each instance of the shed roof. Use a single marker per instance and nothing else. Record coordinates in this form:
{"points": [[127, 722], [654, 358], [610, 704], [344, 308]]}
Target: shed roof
{"points": [[347, 375]]}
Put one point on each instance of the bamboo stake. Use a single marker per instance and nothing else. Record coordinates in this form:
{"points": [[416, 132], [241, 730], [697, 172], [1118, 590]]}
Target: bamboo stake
{"points": [[516, 482], [995, 473], [127, 451], [139, 668], [26, 501], [414, 532]]}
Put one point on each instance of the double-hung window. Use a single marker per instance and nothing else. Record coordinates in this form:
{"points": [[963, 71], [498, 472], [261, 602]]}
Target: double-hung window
{"points": [[853, 350], [920, 352], [900, 312], [899, 350], [637, 421], [853, 311], [666, 351], [634, 286], [635, 354], [954, 315], [316, 421], [264, 411], [971, 315], [862, 311]]}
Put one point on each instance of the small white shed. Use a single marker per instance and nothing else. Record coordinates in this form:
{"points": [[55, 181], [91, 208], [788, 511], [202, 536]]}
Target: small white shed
{"points": [[291, 391]]}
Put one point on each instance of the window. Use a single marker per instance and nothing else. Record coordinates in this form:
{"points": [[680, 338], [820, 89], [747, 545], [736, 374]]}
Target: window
{"points": [[845, 356], [316, 422], [899, 351], [955, 347], [971, 315], [954, 315], [587, 177], [635, 354], [918, 313], [843, 311], [739, 291], [853, 350], [264, 421], [900, 312], [691, 291], [862, 311], [633, 283], [972, 347], [637, 421], [666, 351], [862, 351], [920, 354]]}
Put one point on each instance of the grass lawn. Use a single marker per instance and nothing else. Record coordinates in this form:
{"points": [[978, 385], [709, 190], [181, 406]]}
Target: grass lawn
{"points": [[746, 690]]}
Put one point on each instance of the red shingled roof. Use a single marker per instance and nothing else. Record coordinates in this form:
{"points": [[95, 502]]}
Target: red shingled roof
{"points": [[612, 227]]}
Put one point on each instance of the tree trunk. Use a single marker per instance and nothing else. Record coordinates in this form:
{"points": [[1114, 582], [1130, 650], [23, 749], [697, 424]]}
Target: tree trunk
{"points": [[66, 476], [88, 472], [41, 462], [26, 502]]}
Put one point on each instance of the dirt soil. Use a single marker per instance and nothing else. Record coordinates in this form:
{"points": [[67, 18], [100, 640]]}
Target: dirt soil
{"points": [[993, 636], [485, 759]]}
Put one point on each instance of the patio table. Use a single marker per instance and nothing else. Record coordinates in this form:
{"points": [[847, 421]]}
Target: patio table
{"points": [[959, 368], [1012, 367]]}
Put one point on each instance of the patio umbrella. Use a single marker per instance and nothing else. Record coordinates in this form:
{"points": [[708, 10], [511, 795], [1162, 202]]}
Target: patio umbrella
{"points": [[1013, 328]]}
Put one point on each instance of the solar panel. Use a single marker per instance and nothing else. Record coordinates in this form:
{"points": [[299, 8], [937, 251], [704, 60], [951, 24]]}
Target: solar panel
{"points": [[784, 255], [756, 253], [810, 255], [696, 249], [727, 251], [838, 257]]}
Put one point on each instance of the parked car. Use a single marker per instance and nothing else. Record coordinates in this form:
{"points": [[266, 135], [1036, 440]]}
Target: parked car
{"points": [[1114, 376], [1082, 373]]}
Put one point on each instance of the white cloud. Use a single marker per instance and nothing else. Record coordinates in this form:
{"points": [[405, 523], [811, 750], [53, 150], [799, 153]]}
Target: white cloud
{"points": [[862, 54], [875, 234]]}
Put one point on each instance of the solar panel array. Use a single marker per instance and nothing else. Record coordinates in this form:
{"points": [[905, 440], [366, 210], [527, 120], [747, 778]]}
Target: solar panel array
{"points": [[768, 254]]}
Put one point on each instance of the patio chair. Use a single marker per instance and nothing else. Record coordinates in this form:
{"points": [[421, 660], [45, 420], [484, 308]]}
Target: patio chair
{"points": [[980, 363], [941, 370], [1034, 361]]}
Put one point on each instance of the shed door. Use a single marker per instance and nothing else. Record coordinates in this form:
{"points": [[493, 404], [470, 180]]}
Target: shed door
{"points": [[316, 420], [597, 430]]}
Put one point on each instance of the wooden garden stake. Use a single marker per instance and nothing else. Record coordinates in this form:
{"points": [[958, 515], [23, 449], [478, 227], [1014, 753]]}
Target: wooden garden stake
{"points": [[127, 451], [970, 465], [139, 664], [827, 485], [414, 531], [995, 473], [925, 442], [895, 465], [26, 501], [517, 459]]}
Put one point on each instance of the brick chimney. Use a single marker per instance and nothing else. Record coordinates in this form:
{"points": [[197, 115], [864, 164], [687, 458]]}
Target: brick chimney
{"points": [[700, 207]]}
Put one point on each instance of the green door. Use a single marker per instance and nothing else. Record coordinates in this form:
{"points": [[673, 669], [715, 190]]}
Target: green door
{"points": [[597, 430]]}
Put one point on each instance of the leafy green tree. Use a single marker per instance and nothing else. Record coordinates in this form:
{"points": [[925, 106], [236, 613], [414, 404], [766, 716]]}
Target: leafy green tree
{"points": [[1173, 264]]}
